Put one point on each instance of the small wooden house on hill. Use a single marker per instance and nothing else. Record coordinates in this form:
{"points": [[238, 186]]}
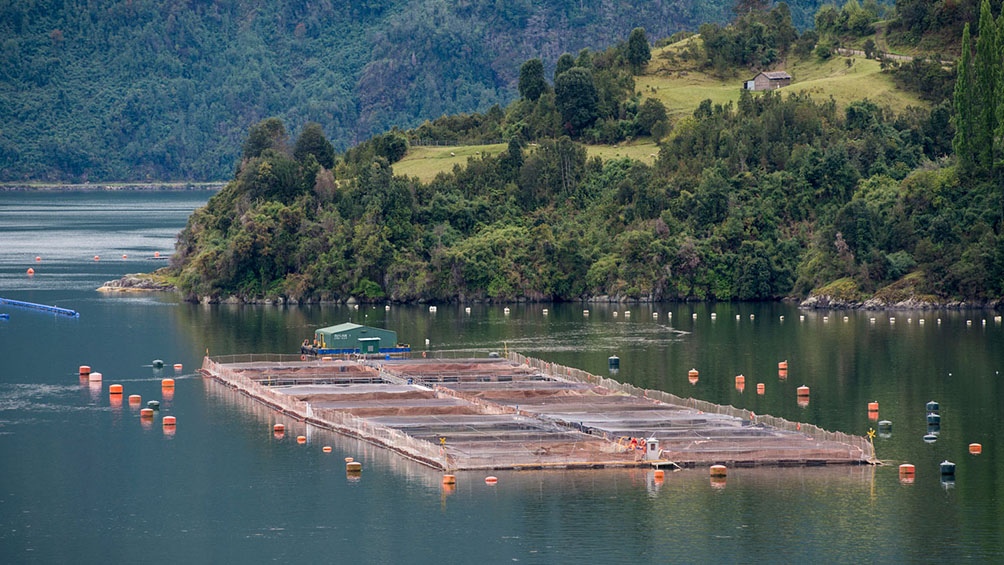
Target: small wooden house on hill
{"points": [[768, 80]]}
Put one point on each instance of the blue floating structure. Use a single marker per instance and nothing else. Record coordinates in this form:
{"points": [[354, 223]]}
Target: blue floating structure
{"points": [[4, 316], [42, 307]]}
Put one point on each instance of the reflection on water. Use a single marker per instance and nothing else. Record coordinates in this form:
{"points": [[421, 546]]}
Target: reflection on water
{"points": [[86, 476]]}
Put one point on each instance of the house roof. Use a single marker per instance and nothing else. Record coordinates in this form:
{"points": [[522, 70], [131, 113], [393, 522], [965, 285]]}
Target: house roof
{"points": [[776, 75], [340, 328]]}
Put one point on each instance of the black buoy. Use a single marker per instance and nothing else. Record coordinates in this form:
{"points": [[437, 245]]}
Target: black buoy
{"points": [[947, 468], [614, 362], [154, 404], [933, 418], [932, 406], [158, 364], [930, 438]]}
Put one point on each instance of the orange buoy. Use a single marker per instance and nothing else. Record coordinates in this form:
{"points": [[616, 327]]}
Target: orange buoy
{"points": [[146, 413], [692, 374], [906, 473], [975, 448], [170, 421], [178, 366], [740, 379], [760, 388], [782, 374], [660, 474], [353, 467], [802, 390], [326, 449], [38, 259], [167, 383], [94, 377], [30, 271], [135, 399], [873, 406], [97, 257], [279, 428], [349, 460], [301, 439], [718, 471], [124, 256], [449, 479], [85, 370], [782, 366], [156, 254], [115, 389], [491, 480], [325, 358]]}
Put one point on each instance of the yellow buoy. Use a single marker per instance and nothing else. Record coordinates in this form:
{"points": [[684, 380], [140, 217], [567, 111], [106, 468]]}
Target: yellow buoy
{"points": [[449, 479], [353, 467], [349, 460], [718, 471]]}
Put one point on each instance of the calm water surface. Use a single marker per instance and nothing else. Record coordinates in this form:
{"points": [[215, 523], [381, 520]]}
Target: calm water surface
{"points": [[83, 480]]}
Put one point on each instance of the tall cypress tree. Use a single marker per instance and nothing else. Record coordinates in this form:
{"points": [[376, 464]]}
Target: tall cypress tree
{"points": [[964, 118], [985, 72]]}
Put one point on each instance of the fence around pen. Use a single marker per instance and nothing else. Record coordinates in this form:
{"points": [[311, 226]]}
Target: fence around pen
{"points": [[809, 430], [227, 369]]}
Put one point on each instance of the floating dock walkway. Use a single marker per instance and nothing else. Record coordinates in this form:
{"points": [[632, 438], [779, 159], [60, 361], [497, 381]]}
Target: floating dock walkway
{"points": [[42, 307], [522, 413]]}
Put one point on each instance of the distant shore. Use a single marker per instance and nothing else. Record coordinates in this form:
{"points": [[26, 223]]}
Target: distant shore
{"points": [[109, 186]]}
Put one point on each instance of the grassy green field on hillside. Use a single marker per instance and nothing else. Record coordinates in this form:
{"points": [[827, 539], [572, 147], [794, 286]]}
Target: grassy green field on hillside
{"points": [[681, 87]]}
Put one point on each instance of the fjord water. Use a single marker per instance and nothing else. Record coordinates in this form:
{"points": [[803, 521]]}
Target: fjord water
{"points": [[83, 480]]}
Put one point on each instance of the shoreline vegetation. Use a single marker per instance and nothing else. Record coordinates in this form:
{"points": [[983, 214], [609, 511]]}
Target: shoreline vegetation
{"points": [[159, 281]]}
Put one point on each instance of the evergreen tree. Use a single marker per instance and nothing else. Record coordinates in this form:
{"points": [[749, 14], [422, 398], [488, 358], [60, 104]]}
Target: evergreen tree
{"points": [[531, 79], [964, 112], [565, 62], [985, 73], [312, 142], [269, 133], [638, 51], [576, 98]]}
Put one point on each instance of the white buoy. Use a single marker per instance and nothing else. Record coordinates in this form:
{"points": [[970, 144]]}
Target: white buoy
{"points": [[801, 318], [939, 321], [655, 315], [627, 313], [752, 316], [694, 315], [467, 310], [545, 311], [780, 318], [921, 321], [615, 313], [585, 312], [427, 341], [872, 320], [826, 318], [738, 317], [892, 319], [969, 322], [669, 315], [432, 308], [714, 316], [387, 307], [847, 319], [505, 310]]}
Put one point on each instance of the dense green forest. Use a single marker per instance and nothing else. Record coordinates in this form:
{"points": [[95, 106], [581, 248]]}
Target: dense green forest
{"points": [[776, 195], [116, 90]]}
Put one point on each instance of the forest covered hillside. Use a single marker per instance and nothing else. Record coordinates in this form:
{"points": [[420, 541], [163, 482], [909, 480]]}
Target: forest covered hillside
{"points": [[775, 194], [117, 90]]}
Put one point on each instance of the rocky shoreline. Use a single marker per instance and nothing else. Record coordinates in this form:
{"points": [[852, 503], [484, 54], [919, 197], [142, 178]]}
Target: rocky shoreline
{"points": [[149, 283]]}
